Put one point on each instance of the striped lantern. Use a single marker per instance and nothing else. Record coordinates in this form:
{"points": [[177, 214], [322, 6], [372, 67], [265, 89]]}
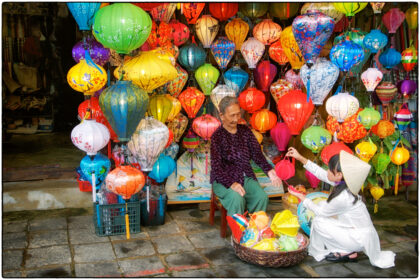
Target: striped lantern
{"points": [[409, 58], [403, 117], [190, 141], [386, 92], [205, 125], [267, 31], [206, 29], [237, 31]]}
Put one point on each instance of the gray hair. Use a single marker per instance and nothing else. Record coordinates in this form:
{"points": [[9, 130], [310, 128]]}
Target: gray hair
{"points": [[226, 102]]}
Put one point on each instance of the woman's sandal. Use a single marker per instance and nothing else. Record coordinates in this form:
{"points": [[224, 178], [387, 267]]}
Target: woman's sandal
{"points": [[336, 257]]}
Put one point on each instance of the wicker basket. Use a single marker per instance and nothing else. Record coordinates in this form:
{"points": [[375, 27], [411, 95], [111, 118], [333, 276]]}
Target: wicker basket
{"points": [[270, 259]]}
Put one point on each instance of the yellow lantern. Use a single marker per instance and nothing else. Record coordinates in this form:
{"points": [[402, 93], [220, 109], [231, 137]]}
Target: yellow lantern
{"points": [[206, 29], [366, 150], [399, 156], [411, 17], [165, 55], [160, 107], [257, 135], [176, 107], [350, 8], [147, 71], [87, 78], [291, 48], [237, 30], [325, 8], [376, 192]]}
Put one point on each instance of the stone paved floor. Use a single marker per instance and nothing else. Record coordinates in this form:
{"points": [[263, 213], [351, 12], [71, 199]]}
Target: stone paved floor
{"points": [[186, 246]]}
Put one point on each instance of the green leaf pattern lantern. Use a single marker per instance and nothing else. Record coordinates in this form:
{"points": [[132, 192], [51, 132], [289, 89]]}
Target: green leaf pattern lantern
{"points": [[315, 138], [368, 117]]}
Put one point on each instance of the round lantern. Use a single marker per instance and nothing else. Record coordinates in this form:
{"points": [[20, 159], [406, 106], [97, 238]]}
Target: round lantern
{"points": [[190, 141], [129, 23], [365, 150], [222, 50], [326, 8], [375, 40], [180, 32], [276, 53], [125, 181], [346, 54], [348, 131], [223, 11], [333, 149], [178, 126], [381, 161], [368, 117], [409, 58], [284, 10], [83, 13], [253, 9], [160, 35], [264, 75], [295, 110], [407, 87], [383, 129], [376, 192], [371, 78], [192, 11], [399, 156], [236, 79], [403, 117], [162, 168], [176, 107], [175, 86], [191, 100], [252, 50], [267, 31], [280, 134], [90, 136], [350, 8], [237, 30], [411, 16], [219, 92], [292, 77], [393, 19], [390, 58], [163, 12], [263, 120], [206, 29], [315, 138], [192, 56], [160, 107], [206, 76], [99, 166], [280, 88], [251, 100], [97, 52], [377, 7], [87, 77], [386, 92], [205, 125], [342, 106], [291, 48]]}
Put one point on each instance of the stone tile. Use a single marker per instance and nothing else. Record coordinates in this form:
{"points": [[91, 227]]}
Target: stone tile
{"points": [[134, 248], [167, 228], [363, 268], [394, 238], [243, 270], [407, 264], [142, 267], [394, 248], [47, 238], [221, 256], [12, 259], [172, 244], [93, 252], [14, 226], [161, 276], [48, 224], [186, 261], [312, 262], [77, 222], [189, 214], [16, 240], [12, 274], [292, 272], [334, 270], [140, 235], [208, 239], [408, 246], [106, 269], [85, 236], [192, 226], [57, 272], [47, 256], [200, 273]]}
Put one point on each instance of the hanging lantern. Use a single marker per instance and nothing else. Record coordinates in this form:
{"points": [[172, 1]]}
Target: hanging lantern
{"points": [[190, 141], [166, 54], [170, 139], [257, 135], [386, 92], [219, 92], [375, 40], [383, 129], [315, 138], [411, 16], [83, 13], [99, 166], [130, 24], [222, 50], [180, 32], [409, 58], [295, 110], [192, 11], [90, 136], [365, 150], [223, 11], [206, 29], [176, 107], [280, 88], [348, 131], [163, 12], [98, 53], [207, 76], [263, 120], [377, 7], [342, 106], [376, 192], [178, 126], [326, 8], [160, 35], [147, 6], [281, 136], [172, 151], [175, 86], [125, 181], [291, 48], [237, 31], [323, 76], [333, 149], [124, 105], [192, 56], [159, 107], [236, 79], [371, 78], [276, 53], [162, 168], [264, 75], [251, 100], [87, 77], [191, 100], [399, 156], [407, 87], [393, 19], [205, 125], [312, 179], [368, 117], [252, 50], [283, 10], [403, 117], [390, 58], [253, 10], [350, 8], [346, 54], [267, 31], [294, 79], [381, 161]]}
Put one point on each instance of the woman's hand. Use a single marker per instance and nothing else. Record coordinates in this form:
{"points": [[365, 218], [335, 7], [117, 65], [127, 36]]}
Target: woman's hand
{"points": [[299, 195], [275, 180], [292, 152], [238, 188]]}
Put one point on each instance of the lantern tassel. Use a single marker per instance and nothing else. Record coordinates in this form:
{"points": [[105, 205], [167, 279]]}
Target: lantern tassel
{"points": [[206, 162], [90, 62], [127, 222], [308, 87], [375, 208], [93, 187], [148, 198], [396, 183]]}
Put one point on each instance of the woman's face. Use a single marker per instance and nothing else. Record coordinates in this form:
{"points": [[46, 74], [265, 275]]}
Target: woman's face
{"points": [[334, 176], [231, 116]]}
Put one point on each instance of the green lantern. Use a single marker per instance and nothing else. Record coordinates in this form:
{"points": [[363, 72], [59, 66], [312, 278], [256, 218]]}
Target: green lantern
{"points": [[380, 162], [253, 10], [315, 138], [160, 107], [206, 76], [368, 117], [122, 27]]}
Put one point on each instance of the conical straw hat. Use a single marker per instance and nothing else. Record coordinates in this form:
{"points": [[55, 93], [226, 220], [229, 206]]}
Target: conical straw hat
{"points": [[355, 171]]}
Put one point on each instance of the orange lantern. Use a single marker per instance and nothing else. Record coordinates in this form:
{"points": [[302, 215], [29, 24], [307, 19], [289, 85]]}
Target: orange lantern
{"points": [[223, 11], [383, 129], [237, 30], [263, 120], [251, 99], [163, 12], [160, 35], [348, 131], [192, 11], [291, 48], [399, 156], [178, 126], [191, 100], [277, 54], [267, 31], [170, 139]]}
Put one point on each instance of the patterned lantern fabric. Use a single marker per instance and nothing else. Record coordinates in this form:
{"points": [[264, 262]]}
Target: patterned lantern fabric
{"points": [[175, 86], [205, 125], [280, 88], [160, 35], [409, 58], [87, 77], [98, 53], [180, 32], [315, 138], [291, 48], [383, 129], [90, 136], [294, 78], [263, 120], [192, 11], [403, 117], [368, 117], [371, 78], [267, 31], [386, 92], [222, 50], [191, 100], [206, 29], [409, 172], [390, 58], [219, 92], [237, 31], [377, 7], [348, 131], [375, 40], [264, 75], [346, 54], [276, 53], [393, 19], [366, 150], [236, 79], [252, 50], [342, 106], [178, 126], [251, 100], [163, 12]]}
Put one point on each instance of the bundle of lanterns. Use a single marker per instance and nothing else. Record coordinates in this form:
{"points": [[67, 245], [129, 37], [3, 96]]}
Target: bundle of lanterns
{"points": [[168, 85]]}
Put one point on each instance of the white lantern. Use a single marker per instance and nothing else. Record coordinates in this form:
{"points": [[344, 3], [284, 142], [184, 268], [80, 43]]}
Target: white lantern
{"points": [[148, 142], [342, 106], [206, 29], [371, 78], [219, 92], [252, 50], [90, 136]]}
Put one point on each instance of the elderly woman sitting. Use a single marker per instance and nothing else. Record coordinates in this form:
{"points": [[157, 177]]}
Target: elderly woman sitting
{"points": [[232, 147]]}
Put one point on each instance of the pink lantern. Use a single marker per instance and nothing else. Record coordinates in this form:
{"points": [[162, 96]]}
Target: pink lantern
{"points": [[371, 78], [205, 126], [264, 75], [90, 136], [393, 19], [281, 136], [313, 181], [294, 78]]}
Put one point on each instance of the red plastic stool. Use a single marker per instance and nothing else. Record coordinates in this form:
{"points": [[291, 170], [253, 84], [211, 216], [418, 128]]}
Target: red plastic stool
{"points": [[215, 204]]}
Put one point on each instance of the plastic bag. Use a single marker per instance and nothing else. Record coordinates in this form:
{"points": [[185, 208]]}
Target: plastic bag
{"points": [[250, 237], [259, 220], [288, 243], [269, 244]]}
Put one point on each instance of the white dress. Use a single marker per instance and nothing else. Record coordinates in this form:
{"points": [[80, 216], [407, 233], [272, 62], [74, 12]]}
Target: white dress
{"points": [[343, 227]]}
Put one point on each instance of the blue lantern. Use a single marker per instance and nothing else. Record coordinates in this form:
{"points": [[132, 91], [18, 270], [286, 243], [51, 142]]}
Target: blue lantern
{"points": [[99, 165], [191, 56], [390, 58], [375, 40], [83, 13], [236, 79], [124, 104], [346, 54], [162, 168], [222, 50]]}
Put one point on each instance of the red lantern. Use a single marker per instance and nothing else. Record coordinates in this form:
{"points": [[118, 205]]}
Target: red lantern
{"points": [[223, 11], [251, 99], [180, 32], [191, 100], [281, 136], [349, 131], [263, 120], [264, 75], [285, 169], [205, 126], [170, 139], [147, 6], [333, 149], [192, 11], [295, 110], [125, 181], [342, 24], [277, 54], [160, 35]]}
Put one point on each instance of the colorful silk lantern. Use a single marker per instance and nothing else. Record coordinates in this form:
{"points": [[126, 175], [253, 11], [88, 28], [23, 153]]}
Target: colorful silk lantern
{"points": [[292, 77], [346, 54], [219, 92], [403, 117], [87, 77], [252, 50], [124, 105], [125, 181], [236, 79], [222, 50], [207, 76], [312, 179], [163, 167], [368, 117], [237, 30], [147, 6], [315, 138], [280, 88], [178, 126], [90, 136], [253, 9], [291, 48], [160, 35], [325, 8], [180, 32], [191, 100], [371, 78], [393, 19], [267, 31], [376, 192], [411, 16], [98, 165], [409, 58], [223, 11], [129, 23], [399, 156], [160, 107], [375, 40], [348, 131], [176, 107], [206, 29], [263, 120], [381, 161], [390, 58], [251, 99], [383, 129], [280, 134], [192, 11], [283, 10], [163, 12], [175, 86], [98, 53], [333, 149], [377, 7], [172, 151], [386, 92], [350, 8], [190, 142], [264, 75], [257, 135], [192, 56], [365, 150], [83, 13], [205, 125], [407, 87], [295, 110], [276, 53], [342, 106]]}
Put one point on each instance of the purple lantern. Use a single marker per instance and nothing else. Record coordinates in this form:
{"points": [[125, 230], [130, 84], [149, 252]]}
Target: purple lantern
{"points": [[264, 75], [294, 79], [407, 87], [99, 54], [281, 136]]}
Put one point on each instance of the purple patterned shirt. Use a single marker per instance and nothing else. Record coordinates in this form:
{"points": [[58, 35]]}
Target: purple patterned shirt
{"points": [[231, 155]]}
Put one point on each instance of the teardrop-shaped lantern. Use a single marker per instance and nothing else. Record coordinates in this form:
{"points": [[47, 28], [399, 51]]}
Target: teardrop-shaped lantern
{"points": [[160, 35], [192, 11], [253, 10], [403, 117], [371, 78], [83, 13], [87, 78], [236, 79], [180, 32], [263, 120], [205, 125], [386, 92], [346, 54], [175, 86], [350, 8], [267, 31], [264, 75], [223, 11], [411, 16], [315, 138], [375, 40], [222, 50], [276, 53], [390, 58], [99, 165], [280, 134], [178, 126], [368, 117], [377, 7], [383, 129], [393, 19], [219, 92], [409, 58], [163, 12], [206, 29], [333, 149], [284, 10], [125, 181], [192, 56], [98, 53], [251, 99], [326, 8], [176, 107], [160, 107], [162, 169], [237, 31], [294, 78], [280, 88], [90, 136], [252, 50], [291, 48], [191, 100], [207, 76], [342, 106], [366, 150]]}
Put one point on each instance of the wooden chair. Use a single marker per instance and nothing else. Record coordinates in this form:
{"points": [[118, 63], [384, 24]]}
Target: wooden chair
{"points": [[215, 204]]}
